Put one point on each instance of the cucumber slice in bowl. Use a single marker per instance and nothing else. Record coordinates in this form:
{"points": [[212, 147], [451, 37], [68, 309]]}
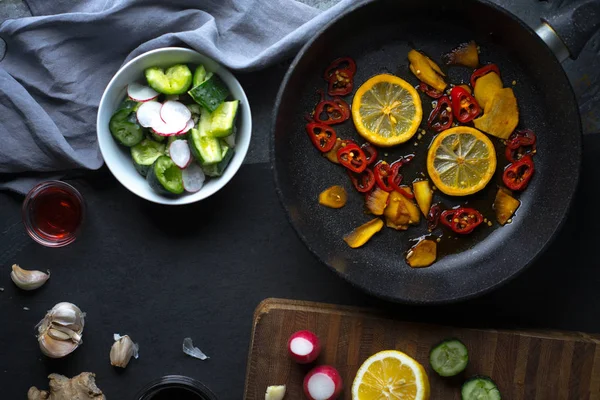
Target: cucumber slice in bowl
{"points": [[210, 93], [174, 80], [165, 177], [223, 119], [124, 127], [449, 358], [480, 388], [145, 153]]}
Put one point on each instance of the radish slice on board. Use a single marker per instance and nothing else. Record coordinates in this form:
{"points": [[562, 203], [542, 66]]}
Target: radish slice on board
{"points": [[141, 93], [323, 383], [175, 113], [304, 347], [180, 153], [193, 177], [149, 113], [190, 124]]}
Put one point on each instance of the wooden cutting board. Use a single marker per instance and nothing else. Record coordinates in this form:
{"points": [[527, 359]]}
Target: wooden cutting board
{"points": [[525, 365]]}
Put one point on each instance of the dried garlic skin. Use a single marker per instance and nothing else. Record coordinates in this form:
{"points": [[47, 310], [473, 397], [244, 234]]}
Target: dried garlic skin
{"points": [[122, 351], [28, 279], [61, 330], [190, 350]]}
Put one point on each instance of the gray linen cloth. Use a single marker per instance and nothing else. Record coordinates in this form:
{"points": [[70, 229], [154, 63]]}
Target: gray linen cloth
{"points": [[59, 61]]}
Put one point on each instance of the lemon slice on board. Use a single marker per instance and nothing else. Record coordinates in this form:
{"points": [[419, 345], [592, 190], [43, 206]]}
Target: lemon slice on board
{"points": [[390, 375], [386, 110], [461, 161]]}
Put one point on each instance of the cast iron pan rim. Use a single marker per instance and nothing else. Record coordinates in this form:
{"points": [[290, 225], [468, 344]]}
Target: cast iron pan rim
{"points": [[404, 300]]}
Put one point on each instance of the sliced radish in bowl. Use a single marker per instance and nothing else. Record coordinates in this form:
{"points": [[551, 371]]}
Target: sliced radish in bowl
{"points": [[190, 124], [141, 93], [175, 113], [149, 113], [323, 383], [180, 153], [304, 347], [193, 177]]}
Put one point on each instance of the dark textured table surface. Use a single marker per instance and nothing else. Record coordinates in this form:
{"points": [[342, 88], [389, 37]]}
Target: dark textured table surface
{"points": [[160, 274]]}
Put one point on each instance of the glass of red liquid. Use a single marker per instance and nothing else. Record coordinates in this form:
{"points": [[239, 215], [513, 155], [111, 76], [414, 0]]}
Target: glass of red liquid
{"points": [[53, 213]]}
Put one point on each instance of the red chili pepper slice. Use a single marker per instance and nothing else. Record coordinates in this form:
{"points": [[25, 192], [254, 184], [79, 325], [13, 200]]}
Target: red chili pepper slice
{"points": [[382, 173], [342, 63], [441, 117], [395, 178], [483, 71], [523, 137], [330, 112], [364, 181], [343, 106], [461, 220], [433, 217], [464, 106], [352, 157], [341, 83], [370, 152], [429, 91], [322, 135], [518, 174]]}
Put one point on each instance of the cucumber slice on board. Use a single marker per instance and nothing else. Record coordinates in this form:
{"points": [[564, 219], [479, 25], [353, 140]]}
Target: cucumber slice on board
{"points": [[174, 80], [145, 153], [124, 127], [449, 358], [210, 93], [480, 388], [223, 119], [165, 177]]}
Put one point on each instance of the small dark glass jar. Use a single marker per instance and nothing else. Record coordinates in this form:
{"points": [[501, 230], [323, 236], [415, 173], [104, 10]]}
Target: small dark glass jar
{"points": [[175, 387]]}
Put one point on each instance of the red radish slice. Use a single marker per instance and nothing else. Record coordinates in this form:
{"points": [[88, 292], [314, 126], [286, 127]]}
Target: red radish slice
{"points": [[141, 93], [323, 383], [175, 113], [193, 177], [180, 153], [149, 113], [304, 347], [190, 124]]}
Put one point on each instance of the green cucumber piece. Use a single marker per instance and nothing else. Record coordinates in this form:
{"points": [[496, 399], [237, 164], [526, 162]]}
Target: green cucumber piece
{"points": [[210, 93], [165, 177], [223, 119], [145, 153], [480, 388], [174, 80], [125, 129], [449, 358], [216, 170], [129, 104], [157, 138], [207, 150], [199, 75]]}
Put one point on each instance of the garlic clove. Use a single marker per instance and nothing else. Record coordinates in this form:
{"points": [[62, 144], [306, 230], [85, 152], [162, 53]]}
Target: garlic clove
{"points": [[122, 351], [54, 348], [59, 333], [68, 315], [276, 392], [28, 279]]}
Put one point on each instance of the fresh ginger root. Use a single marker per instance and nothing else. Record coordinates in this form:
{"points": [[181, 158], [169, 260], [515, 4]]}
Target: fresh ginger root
{"points": [[80, 387]]}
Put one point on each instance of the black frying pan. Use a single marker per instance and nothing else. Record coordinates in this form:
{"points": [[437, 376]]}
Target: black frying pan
{"points": [[378, 35]]}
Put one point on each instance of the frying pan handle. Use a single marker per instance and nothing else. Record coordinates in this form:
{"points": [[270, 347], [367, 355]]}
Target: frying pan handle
{"points": [[567, 32]]}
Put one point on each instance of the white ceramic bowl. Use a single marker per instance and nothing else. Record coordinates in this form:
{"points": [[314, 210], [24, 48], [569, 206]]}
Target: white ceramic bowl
{"points": [[118, 158]]}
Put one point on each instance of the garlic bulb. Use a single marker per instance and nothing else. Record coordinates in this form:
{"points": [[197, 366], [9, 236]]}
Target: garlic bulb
{"points": [[122, 351], [28, 280], [60, 332]]}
